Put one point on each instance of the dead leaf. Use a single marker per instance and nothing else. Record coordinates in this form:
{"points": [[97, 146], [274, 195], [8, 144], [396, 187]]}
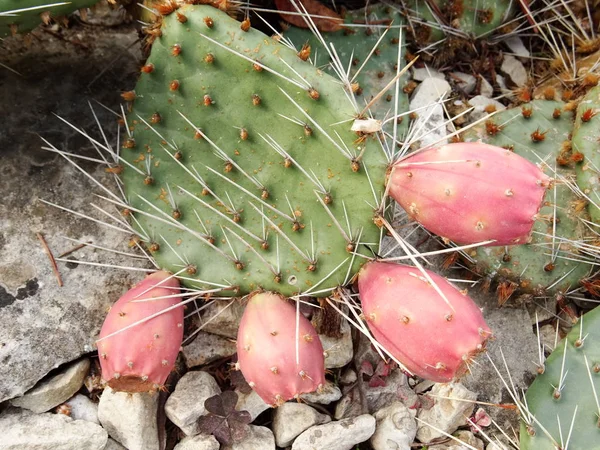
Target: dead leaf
{"points": [[324, 18]]}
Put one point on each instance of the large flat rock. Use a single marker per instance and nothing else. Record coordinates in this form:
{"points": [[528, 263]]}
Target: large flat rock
{"points": [[41, 324]]}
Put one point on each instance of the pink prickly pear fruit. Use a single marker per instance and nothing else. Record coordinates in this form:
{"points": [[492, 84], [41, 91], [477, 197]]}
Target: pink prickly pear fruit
{"points": [[470, 192], [434, 336], [140, 358], [266, 346]]}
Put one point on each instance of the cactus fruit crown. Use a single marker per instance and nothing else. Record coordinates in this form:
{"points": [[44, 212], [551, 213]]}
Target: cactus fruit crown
{"points": [[240, 167]]}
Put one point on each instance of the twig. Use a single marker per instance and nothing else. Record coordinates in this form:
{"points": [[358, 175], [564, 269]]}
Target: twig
{"points": [[51, 258], [74, 249]]}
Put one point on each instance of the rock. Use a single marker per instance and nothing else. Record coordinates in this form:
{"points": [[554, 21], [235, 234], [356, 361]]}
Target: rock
{"points": [[113, 445], [486, 89], [206, 348], [340, 435], [464, 81], [515, 343], [396, 428], [348, 377], [291, 419], [328, 394], [186, 404], [130, 419], [396, 389], [338, 351], [514, 68], [548, 337], [465, 440], [198, 442], [223, 318], [42, 325], [82, 408], [422, 73], [448, 412], [252, 403], [258, 438], [480, 103], [426, 103], [515, 43], [56, 389], [23, 430]]}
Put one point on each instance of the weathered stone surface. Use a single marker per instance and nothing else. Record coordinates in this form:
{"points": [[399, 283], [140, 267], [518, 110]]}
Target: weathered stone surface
{"points": [[328, 394], [465, 440], [186, 404], [82, 408], [258, 438], [426, 102], [291, 419], [251, 402], [223, 318], [198, 442], [56, 389], [515, 343], [514, 68], [338, 351], [453, 404], [396, 389], [113, 445], [42, 325], [396, 428], [340, 435], [21, 429], [206, 348], [130, 419]]}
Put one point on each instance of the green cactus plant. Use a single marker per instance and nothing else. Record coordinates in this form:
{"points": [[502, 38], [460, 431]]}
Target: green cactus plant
{"points": [[563, 407], [586, 136], [17, 16], [371, 53], [226, 143], [429, 21], [540, 132]]}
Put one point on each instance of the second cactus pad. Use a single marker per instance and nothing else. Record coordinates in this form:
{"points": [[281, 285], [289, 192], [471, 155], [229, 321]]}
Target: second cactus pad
{"points": [[24, 15], [563, 403], [240, 167]]}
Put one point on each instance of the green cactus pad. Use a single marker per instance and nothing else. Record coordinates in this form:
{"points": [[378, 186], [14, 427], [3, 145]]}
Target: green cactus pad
{"points": [[24, 15], [540, 138], [358, 46], [283, 188], [566, 393], [476, 18], [586, 140]]}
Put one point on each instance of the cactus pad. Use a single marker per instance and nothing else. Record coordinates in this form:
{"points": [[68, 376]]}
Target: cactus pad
{"points": [[474, 18], [24, 15], [364, 45], [586, 137], [565, 395], [240, 167], [538, 131]]}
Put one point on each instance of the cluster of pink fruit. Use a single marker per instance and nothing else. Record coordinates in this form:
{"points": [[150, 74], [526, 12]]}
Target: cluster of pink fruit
{"points": [[467, 193]]}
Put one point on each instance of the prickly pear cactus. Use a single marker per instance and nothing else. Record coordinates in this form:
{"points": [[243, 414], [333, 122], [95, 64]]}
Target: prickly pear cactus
{"points": [[562, 403], [539, 131], [586, 136], [372, 53], [475, 18], [17, 16], [240, 168]]}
